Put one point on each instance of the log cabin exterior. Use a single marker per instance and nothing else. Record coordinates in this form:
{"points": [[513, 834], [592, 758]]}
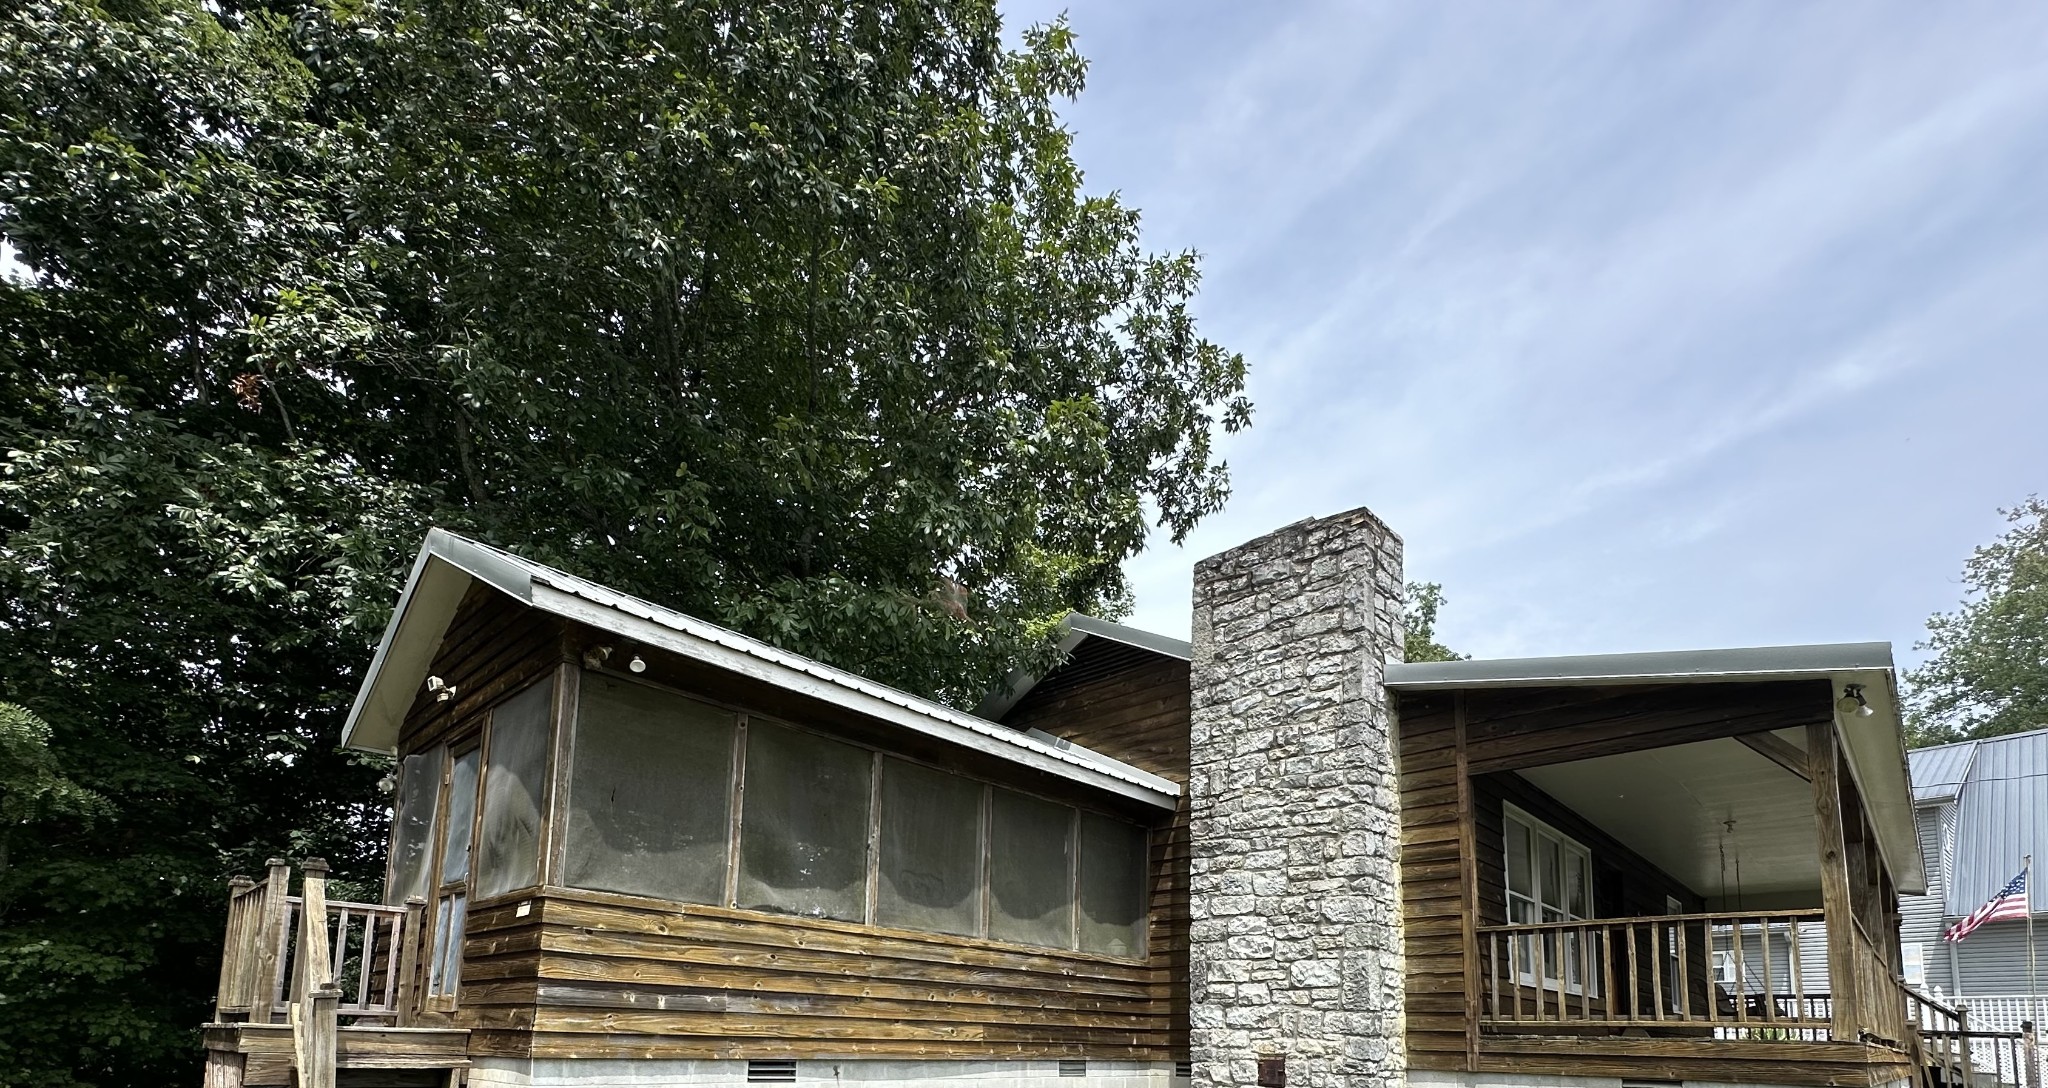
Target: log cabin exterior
{"points": [[622, 835], [630, 847]]}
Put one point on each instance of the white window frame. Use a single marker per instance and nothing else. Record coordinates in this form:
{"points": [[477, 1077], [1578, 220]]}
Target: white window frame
{"points": [[1724, 966], [1571, 851], [1913, 963]]}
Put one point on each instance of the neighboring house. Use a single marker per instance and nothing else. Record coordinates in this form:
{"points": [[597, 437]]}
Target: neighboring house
{"points": [[634, 848], [1982, 807]]}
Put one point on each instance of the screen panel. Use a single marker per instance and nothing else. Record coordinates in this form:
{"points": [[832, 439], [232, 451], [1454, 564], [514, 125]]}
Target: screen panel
{"points": [[930, 869], [1112, 886], [804, 825], [1031, 884], [412, 825], [650, 793], [515, 781]]}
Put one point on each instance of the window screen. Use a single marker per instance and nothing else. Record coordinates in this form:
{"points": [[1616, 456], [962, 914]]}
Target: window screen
{"points": [[1112, 886], [412, 825], [650, 793], [1030, 881], [931, 850], [804, 825], [461, 813], [508, 855]]}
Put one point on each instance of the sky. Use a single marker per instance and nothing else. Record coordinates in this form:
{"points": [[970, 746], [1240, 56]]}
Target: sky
{"points": [[1647, 326]]}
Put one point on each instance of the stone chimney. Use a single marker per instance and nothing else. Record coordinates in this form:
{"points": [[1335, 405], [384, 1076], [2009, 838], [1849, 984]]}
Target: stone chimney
{"points": [[1295, 958]]}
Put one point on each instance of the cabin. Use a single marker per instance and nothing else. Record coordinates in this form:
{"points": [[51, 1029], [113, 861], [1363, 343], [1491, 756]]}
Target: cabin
{"points": [[623, 835], [633, 848]]}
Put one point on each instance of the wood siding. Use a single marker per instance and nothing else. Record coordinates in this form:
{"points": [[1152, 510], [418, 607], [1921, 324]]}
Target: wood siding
{"points": [[586, 974], [1133, 705]]}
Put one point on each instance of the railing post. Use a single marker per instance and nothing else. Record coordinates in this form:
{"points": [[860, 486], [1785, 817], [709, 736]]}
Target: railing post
{"points": [[313, 968], [235, 951], [316, 1030], [1967, 1057], [2033, 1079], [411, 946], [270, 934]]}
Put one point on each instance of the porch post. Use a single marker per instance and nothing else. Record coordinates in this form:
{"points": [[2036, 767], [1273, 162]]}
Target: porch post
{"points": [[1835, 897]]}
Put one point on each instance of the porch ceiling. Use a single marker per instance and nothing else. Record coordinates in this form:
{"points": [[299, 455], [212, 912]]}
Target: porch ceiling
{"points": [[1674, 807]]}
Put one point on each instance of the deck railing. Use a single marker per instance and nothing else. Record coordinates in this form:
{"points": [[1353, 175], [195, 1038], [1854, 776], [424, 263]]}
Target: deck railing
{"points": [[1736, 976], [271, 957]]}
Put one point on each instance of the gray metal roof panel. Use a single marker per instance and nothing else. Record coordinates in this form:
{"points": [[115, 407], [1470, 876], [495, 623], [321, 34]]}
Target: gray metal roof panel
{"points": [[1938, 772], [2002, 816], [1675, 666]]}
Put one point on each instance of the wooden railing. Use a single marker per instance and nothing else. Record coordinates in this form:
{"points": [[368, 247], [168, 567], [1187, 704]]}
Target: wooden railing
{"points": [[365, 952], [1736, 976]]}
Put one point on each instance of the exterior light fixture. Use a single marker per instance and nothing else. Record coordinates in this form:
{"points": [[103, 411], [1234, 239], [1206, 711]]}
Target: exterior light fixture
{"points": [[638, 664], [441, 689], [1852, 701]]}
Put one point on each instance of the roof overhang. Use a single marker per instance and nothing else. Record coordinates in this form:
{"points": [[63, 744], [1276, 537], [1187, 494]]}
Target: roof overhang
{"points": [[448, 565], [1875, 745]]}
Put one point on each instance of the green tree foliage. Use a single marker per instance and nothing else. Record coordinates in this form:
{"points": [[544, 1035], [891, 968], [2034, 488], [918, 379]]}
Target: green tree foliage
{"points": [[1425, 600], [1989, 671], [795, 316]]}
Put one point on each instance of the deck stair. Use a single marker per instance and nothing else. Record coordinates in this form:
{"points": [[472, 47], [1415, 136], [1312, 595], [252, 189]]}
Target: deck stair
{"points": [[322, 994]]}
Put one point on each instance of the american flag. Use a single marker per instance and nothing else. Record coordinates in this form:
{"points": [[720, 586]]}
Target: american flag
{"points": [[2010, 903]]}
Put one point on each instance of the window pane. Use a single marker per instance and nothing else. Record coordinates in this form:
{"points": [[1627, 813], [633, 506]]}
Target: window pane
{"points": [[461, 811], [508, 857], [1551, 875], [650, 793], [931, 850], [804, 825], [1030, 844], [412, 820], [1581, 887], [1112, 886], [1519, 880]]}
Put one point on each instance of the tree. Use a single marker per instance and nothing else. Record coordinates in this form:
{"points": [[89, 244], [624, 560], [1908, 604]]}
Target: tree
{"points": [[1425, 600], [793, 317], [1989, 671]]}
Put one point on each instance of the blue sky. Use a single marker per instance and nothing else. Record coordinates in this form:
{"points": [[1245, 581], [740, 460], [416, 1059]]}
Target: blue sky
{"points": [[1648, 326]]}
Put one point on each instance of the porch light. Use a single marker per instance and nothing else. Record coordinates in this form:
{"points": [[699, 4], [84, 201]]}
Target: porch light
{"points": [[639, 664], [1852, 701]]}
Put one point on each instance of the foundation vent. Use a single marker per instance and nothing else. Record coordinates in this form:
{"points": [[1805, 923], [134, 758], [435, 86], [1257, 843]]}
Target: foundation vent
{"points": [[1073, 1069], [771, 1071], [1184, 1070]]}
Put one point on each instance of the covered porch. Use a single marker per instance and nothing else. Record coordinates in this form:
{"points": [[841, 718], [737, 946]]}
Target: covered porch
{"points": [[1669, 866]]}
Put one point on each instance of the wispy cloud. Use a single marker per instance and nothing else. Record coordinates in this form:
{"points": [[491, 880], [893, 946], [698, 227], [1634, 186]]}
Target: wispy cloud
{"points": [[1645, 324]]}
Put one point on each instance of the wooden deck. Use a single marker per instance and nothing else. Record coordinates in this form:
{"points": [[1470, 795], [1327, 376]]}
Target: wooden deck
{"points": [[262, 1054]]}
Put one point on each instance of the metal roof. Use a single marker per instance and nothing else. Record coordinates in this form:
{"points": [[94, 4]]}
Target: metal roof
{"points": [[448, 564], [1938, 772], [1079, 628], [1670, 667], [2001, 814]]}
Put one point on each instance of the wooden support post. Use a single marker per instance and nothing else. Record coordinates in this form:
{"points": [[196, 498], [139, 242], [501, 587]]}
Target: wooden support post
{"points": [[316, 1034], [315, 966], [270, 938], [2031, 1054], [225, 1069], [1836, 898], [410, 948], [235, 953], [1468, 888]]}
